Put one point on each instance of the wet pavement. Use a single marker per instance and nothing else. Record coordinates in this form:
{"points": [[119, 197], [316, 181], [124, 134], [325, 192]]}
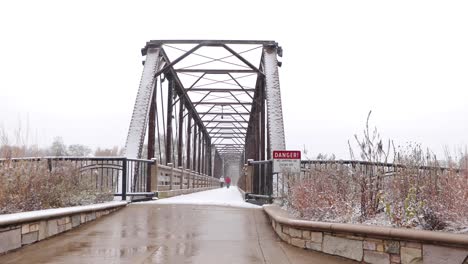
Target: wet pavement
{"points": [[155, 233]]}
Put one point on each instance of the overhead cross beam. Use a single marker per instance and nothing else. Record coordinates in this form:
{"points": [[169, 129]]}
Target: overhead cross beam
{"points": [[219, 90], [223, 113], [225, 121], [209, 71], [207, 42], [222, 103]]}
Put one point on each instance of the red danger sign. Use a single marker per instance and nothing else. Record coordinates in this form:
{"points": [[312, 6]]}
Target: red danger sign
{"points": [[286, 154]]}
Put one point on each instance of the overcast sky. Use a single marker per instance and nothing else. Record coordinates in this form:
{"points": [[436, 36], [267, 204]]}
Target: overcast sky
{"points": [[72, 68]]}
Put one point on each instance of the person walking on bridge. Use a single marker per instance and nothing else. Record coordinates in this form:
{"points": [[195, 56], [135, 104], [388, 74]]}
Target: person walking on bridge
{"points": [[228, 181], [221, 181]]}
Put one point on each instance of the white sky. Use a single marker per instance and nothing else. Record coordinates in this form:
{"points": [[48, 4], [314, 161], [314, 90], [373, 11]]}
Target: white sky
{"points": [[73, 68]]}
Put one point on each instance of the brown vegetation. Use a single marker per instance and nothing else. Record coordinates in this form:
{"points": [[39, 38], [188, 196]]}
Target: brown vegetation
{"points": [[30, 185], [418, 194]]}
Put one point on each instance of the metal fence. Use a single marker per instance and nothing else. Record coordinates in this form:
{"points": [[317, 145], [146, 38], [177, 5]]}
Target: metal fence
{"points": [[123, 176], [357, 163], [259, 180]]}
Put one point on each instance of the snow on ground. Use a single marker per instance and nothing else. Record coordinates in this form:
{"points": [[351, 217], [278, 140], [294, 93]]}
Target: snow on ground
{"points": [[47, 213], [222, 196]]}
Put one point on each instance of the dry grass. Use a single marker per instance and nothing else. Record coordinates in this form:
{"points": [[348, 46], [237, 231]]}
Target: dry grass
{"points": [[328, 191], [27, 186], [428, 198], [30, 185], [410, 197]]}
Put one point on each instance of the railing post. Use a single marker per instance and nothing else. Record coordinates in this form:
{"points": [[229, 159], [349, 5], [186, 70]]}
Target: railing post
{"points": [[269, 181], [194, 183], [148, 176], [188, 178], [248, 177], [200, 180], [49, 164], [124, 179], [171, 179], [193, 179], [154, 175], [181, 177]]}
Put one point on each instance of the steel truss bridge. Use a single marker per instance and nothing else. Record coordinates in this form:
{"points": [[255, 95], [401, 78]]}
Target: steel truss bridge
{"points": [[204, 103]]}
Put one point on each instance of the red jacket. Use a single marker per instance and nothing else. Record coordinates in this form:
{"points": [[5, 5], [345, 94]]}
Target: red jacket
{"points": [[227, 180]]}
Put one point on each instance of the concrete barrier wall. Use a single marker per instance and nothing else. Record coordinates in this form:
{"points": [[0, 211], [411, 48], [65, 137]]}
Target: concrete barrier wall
{"points": [[17, 230], [168, 178], [171, 193], [370, 244]]}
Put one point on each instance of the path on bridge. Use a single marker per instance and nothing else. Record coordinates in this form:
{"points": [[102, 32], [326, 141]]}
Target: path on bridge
{"points": [[169, 231]]}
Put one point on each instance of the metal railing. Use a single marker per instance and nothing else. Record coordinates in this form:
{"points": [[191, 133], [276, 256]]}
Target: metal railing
{"points": [[123, 176], [171, 178], [258, 178], [307, 164]]}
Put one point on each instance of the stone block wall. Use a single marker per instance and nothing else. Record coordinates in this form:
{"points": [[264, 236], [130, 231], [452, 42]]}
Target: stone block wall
{"points": [[17, 235], [367, 249]]}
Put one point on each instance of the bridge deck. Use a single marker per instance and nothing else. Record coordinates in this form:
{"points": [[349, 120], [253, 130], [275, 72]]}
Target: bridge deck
{"points": [[165, 233]]}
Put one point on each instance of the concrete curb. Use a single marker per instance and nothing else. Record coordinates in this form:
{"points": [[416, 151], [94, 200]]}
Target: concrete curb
{"points": [[19, 218], [18, 230], [369, 244], [281, 216]]}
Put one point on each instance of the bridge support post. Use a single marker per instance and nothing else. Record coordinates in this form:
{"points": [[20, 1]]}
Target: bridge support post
{"points": [[275, 125], [180, 132], [143, 103], [189, 143], [170, 90], [199, 149], [151, 134], [210, 159], [194, 156], [203, 154]]}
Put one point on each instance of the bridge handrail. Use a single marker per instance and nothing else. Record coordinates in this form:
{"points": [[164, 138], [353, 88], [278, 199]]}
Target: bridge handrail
{"points": [[126, 175], [381, 164], [62, 158]]}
